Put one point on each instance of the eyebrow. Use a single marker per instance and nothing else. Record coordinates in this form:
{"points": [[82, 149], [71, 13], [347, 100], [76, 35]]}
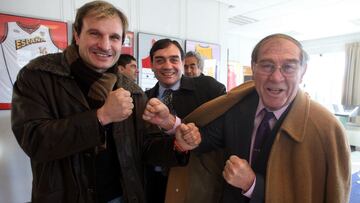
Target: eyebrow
{"points": [[98, 31], [172, 56], [286, 60]]}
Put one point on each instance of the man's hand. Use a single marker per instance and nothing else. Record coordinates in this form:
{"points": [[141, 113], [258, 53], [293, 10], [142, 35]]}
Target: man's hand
{"points": [[117, 107], [238, 173], [187, 136], [158, 113]]}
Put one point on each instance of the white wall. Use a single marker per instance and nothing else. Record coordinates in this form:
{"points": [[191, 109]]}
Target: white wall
{"points": [[201, 20], [240, 49], [330, 44], [15, 172]]}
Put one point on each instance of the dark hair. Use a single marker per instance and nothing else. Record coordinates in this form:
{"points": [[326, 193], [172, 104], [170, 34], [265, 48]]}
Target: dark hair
{"points": [[200, 61], [303, 55], [99, 9], [125, 59], [164, 43]]}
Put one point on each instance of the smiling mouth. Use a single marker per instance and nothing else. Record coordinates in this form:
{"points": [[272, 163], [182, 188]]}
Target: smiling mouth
{"points": [[275, 90], [102, 53], [167, 74]]}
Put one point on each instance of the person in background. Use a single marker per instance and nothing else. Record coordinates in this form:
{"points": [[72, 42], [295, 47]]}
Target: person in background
{"points": [[280, 145], [128, 67], [81, 123], [194, 64], [182, 95]]}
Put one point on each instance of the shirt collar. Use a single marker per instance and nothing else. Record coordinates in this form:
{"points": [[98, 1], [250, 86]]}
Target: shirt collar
{"points": [[277, 113], [174, 87]]}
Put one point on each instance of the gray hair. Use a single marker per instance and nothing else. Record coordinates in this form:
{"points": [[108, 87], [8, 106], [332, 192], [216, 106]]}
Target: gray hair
{"points": [[303, 55], [200, 61]]}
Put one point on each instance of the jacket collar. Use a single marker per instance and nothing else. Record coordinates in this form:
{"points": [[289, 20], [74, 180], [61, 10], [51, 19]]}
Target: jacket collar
{"points": [[57, 63], [296, 121], [294, 125], [185, 84]]}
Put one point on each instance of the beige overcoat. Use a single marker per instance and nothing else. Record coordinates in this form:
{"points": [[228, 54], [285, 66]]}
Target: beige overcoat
{"points": [[310, 157]]}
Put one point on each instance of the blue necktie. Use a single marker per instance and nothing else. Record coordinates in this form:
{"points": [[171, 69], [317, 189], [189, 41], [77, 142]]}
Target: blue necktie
{"points": [[262, 131]]}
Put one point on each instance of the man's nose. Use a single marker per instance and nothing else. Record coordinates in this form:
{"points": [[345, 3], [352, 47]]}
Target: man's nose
{"points": [[168, 63], [277, 74], [104, 43]]}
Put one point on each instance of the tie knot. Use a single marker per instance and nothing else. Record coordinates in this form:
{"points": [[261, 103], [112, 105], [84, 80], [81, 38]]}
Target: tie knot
{"points": [[167, 93], [268, 115]]}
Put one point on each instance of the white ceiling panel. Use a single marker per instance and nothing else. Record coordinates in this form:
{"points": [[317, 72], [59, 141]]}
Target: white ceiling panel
{"points": [[303, 19]]}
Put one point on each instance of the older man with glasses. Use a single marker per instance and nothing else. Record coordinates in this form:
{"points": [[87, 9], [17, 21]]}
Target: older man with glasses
{"points": [[281, 145]]}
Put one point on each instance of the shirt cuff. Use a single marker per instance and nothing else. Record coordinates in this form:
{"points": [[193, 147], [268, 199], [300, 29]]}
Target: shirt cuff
{"points": [[250, 190], [177, 123]]}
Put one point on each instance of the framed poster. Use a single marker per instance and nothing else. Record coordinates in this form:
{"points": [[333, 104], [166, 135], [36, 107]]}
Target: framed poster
{"points": [[235, 74], [248, 74], [210, 53], [22, 39], [147, 78], [128, 46]]}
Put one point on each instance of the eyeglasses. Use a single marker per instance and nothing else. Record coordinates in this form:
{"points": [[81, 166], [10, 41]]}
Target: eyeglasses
{"points": [[287, 69]]}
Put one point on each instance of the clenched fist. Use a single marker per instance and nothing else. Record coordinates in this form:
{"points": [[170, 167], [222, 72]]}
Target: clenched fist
{"points": [[187, 136], [118, 106], [158, 113], [238, 173]]}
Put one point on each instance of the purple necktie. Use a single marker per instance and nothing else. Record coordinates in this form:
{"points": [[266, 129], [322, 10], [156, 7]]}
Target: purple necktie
{"points": [[262, 131]]}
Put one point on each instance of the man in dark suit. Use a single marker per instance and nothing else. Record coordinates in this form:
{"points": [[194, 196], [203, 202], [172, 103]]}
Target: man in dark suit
{"points": [[167, 58], [194, 64], [303, 155]]}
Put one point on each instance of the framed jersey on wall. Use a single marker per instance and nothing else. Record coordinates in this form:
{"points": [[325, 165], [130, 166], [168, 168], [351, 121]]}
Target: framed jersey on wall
{"points": [[22, 39], [210, 54]]}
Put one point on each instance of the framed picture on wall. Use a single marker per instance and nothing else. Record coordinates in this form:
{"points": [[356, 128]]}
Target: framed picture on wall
{"points": [[128, 46], [235, 74], [22, 39], [210, 53], [145, 41]]}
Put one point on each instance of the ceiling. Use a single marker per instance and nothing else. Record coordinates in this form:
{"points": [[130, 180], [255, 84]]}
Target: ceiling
{"points": [[302, 19]]}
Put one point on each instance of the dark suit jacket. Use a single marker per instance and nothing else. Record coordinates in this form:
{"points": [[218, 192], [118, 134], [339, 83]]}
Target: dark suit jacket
{"points": [[192, 93]]}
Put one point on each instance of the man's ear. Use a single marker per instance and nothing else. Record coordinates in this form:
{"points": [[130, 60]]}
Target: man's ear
{"points": [[252, 67], [303, 72], [76, 37]]}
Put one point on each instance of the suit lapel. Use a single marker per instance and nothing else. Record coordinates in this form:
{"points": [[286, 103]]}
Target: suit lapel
{"points": [[185, 98], [241, 127], [153, 92]]}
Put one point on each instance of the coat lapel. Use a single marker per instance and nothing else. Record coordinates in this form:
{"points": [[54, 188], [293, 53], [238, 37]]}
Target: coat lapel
{"points": [[296, 121], [73, 90]]}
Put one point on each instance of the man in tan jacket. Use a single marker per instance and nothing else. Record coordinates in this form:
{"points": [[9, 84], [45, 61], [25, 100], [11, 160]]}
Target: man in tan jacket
{"points": [[303, 157]]}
